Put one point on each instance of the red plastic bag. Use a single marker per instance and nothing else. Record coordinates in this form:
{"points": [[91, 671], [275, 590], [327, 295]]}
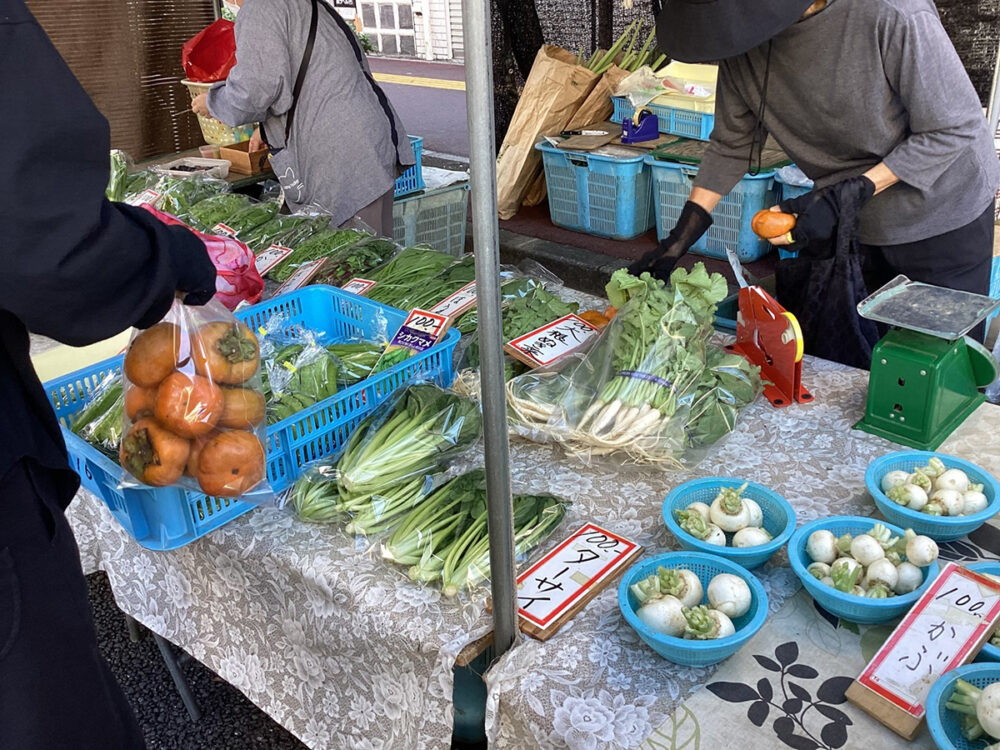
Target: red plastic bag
{"points": [[237, 278], [210, 54]]}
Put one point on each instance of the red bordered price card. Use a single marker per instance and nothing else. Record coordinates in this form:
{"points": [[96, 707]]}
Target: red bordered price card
{"points": [[358, 286], [272, 257], [146, 196], [221, 228], [545, 345], [944, 629], [555, 588], [457, 303]]}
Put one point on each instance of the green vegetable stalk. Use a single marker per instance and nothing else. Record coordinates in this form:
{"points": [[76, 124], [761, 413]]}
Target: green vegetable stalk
{"points": [[118, 178], [324, 244], [206, 213]]}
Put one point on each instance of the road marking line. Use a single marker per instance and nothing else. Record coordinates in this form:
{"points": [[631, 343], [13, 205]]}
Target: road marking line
{"points": [[447, 157], [429, 83]]}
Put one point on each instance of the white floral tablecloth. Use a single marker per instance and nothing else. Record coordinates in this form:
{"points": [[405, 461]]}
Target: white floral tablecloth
{"points": [[595, 685]]}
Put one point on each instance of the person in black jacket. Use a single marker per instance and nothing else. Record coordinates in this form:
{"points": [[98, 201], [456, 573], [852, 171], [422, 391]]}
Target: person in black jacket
{"points": [[78, 269]]}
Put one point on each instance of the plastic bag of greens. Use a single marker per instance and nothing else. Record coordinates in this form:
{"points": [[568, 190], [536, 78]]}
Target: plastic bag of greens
{"points": [[206, 213], [99, 422], [284, 230], [193, 390], [390, 458], [247, 219], [407, 272], [357, 260], [324, 244], [118, 179], [177, 195], [356, 359], [299, 376], [137, 183]]}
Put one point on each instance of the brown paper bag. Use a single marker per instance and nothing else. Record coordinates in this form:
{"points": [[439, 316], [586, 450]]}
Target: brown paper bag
{"points": [[595, 108], [554, 91]]}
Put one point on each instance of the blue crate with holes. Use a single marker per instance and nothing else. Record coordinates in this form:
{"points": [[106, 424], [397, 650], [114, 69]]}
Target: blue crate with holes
{"points": [[685, 122], [412, 180], [731, 219], [606, 196], [169, 517]]}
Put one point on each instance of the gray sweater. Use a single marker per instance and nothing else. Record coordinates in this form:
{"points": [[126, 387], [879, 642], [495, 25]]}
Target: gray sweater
{"points": [[341, 134], [861, 82]]}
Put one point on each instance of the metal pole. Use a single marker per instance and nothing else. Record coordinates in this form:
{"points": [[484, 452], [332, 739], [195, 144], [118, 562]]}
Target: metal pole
{"points": [[479, 104]]}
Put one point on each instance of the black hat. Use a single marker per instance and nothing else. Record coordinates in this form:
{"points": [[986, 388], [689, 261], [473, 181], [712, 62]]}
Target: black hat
{"points": [[708, 30]]}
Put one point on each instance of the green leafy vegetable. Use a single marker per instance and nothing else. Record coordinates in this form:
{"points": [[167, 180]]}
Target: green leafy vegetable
{"points": [[356, 260], [118, 178], [248, 218], [205, 214], [324, 244]]}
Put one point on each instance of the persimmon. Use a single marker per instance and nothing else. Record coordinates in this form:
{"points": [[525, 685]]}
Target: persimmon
{"points": [[188, 405], [231, 464], [242, 408], [153, 355], [152, 454], [772, 224], [196, 445], [139, 401], [225, 352], [595, 318]]}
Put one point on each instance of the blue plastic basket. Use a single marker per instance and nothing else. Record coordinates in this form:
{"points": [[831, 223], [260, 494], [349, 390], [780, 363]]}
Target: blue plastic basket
{"points": [[169, 517], [852, 608], [788, 192], [779, 518], [601, 195], [731, 227], [685, 122], [989, 567], [412, 180], [706, 567], [943, 724], [436, 217], [940, 528]]}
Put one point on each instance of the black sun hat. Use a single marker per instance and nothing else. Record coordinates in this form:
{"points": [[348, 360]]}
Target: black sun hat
{"points": [[698, 31]]}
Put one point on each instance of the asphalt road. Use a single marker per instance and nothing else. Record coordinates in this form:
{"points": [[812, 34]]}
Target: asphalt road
{"points": [[431, 103]]}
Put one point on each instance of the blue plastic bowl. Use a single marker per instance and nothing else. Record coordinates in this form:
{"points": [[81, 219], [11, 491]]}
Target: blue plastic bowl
{"points": [[847, 606], [942, 529], [779, 518], [706, 567], [943, 724], [989, 652]]}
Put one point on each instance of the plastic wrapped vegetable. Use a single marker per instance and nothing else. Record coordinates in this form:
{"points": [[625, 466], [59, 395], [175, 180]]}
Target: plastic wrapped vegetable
{"points": [[324, 244], [356, 358], [194, 407], [137, 182], [205, 214], [356, 260], [118, 178], [248, 218], [406, 273], [99, 422], [300, 376], [283, 230], [177, 195]]}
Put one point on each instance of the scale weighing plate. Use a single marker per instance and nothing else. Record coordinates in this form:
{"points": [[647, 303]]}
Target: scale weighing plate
{"points": [[934, 310], [926, 375]]}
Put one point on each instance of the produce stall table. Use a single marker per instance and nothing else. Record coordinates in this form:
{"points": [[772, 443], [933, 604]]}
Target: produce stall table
{"points": [[595, 685], [236, 180]]}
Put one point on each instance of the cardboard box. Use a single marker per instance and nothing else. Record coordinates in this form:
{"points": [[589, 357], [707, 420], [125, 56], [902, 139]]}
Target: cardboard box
{"points": [[243, 161]]}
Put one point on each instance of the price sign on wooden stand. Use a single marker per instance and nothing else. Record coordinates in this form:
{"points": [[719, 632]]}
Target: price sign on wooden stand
{"points": [[271, 257], [302, 276], [359, 286], [555, 588], [457, 303], [945, 629], [545, 345]]}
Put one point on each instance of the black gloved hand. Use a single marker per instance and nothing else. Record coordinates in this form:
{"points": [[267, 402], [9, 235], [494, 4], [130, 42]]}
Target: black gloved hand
{"points": [[193, 268], [818, 212], [694, 221]]}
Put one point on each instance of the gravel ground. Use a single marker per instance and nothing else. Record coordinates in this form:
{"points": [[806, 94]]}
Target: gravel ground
{"points": [[229, 720]]}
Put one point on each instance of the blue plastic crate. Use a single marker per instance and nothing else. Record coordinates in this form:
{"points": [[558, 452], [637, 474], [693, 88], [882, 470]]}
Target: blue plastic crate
{"points": [[437, 218], [994, 287], [732, 218], [601, 195], [168, 517], [685, 122], [412, 180], [788, 192]]}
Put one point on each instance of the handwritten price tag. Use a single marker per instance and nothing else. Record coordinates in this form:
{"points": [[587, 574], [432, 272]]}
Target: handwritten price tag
{"points": [[221, 228], [944, 629], [146, 196], [358, 286], [302, 276], [272, 257], [545, 345], [556, 587], [458, 303]]}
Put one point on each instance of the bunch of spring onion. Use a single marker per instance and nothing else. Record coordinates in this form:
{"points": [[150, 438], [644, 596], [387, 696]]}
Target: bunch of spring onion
{"points": [[876, 565], [672, 602], [627, 57], [729, 514], [936, 490], [980, 711], [445, 537]]}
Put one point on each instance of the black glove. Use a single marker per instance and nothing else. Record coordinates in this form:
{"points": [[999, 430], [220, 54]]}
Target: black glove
{"points": [[694, 221], [819, 211], [194, 270]]}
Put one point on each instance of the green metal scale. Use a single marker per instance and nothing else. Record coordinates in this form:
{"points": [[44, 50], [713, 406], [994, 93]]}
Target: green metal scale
{"points": [[926, 375]]}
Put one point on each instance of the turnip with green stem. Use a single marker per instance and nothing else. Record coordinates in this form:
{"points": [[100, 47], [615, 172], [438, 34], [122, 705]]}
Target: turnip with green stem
{"points": [[894, 479], [846, 572], [844, 545], [950, 500], [729, 511], [920, 550], [974, 501], [882, 571], [818, 570], [682, 584], [866, 549], [664, 614], [730, 595], [704, 624], [756, 514], [921, 480], [701, 509], [909, 495], [827, 581], [908, 578], [694, 524], [821, 546], [878, 591], [980, 709], [935, 467], [751, 536], [933, 508]]}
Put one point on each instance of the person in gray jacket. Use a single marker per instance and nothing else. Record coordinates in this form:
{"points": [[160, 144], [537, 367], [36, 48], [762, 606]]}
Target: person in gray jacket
{"points": [[871, 101], [345, 145]]}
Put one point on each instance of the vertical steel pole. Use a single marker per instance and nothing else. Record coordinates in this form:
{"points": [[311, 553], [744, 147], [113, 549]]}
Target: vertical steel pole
{"points": [[479, 105]]}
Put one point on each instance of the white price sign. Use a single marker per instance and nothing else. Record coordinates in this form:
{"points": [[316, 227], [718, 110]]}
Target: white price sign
{"points": [[146, 196], [221, 228], [936, 636], [358, 286], [301, 277], [553, 585], [545, 345], [455, 304], [271, 257]]}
